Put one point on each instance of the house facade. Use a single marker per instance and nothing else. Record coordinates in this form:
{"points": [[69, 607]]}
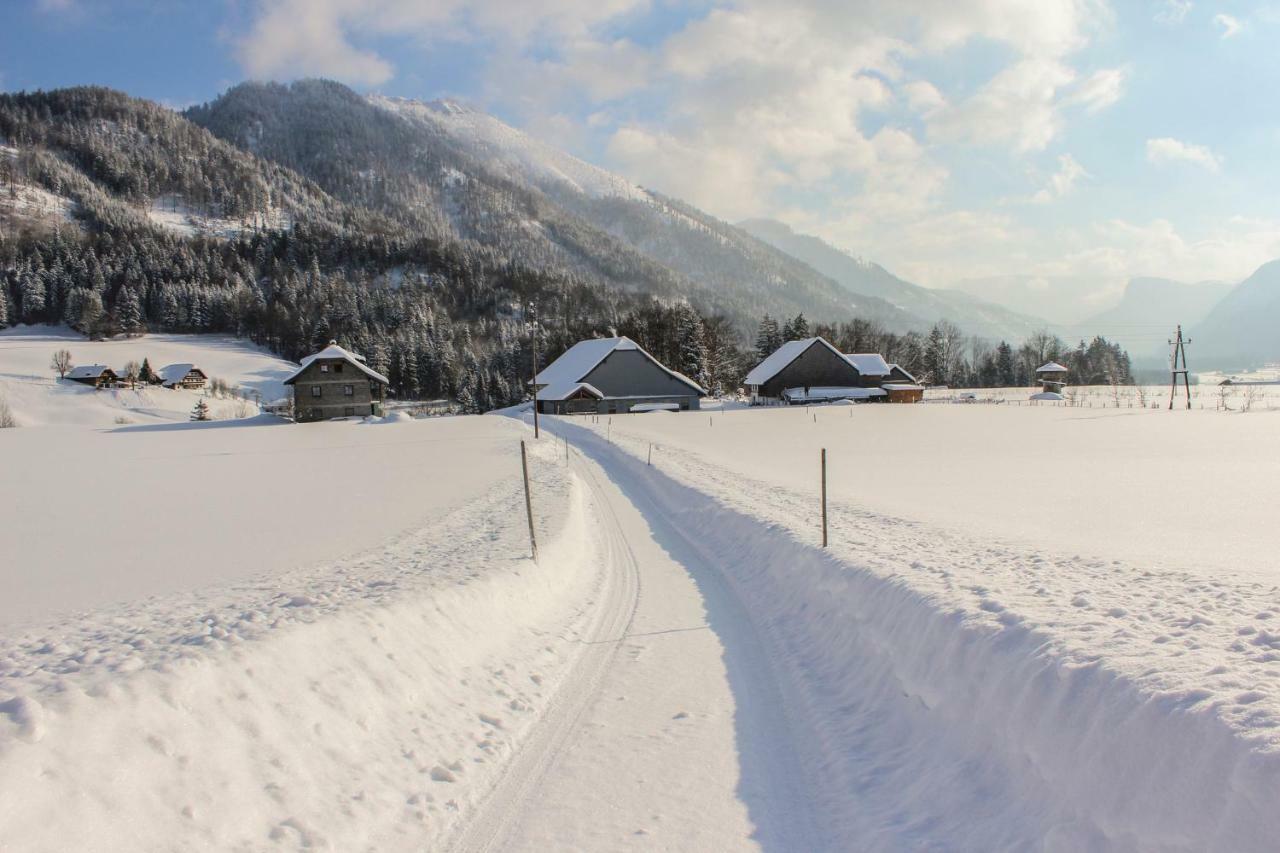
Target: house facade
{"points": [[336, 383], [612, 376], [186, 376], [97, 375]]}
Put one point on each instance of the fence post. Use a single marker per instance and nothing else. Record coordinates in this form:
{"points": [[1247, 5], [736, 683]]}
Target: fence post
{"points": [[528, 501], [650, 462], [824, 497]]}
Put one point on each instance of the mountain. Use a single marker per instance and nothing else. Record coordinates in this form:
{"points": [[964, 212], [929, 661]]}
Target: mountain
{"points": [[459, 175], [1061, 300], [1149, 312], [861, 277], [1240, 331]]}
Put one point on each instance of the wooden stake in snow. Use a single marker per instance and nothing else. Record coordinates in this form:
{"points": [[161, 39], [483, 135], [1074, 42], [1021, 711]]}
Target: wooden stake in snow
{"points": [[650, 462], [528, 501], [824, 498]]}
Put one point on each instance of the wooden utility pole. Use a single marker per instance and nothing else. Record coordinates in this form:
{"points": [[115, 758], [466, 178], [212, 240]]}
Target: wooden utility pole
{"points": [[1179, 352], [824, 497], [528, 501], [535, 378]]}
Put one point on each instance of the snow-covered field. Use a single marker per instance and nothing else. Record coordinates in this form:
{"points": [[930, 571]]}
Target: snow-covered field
{"points": [[1052, 628], [37, 398]]}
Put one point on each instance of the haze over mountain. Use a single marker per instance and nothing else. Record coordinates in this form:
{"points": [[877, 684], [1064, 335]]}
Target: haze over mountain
{"points": [[1149, 312], [1240, 330], [975, 315]]}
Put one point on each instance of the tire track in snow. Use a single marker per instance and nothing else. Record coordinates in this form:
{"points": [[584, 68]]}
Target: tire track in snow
{"points": [[497, 814]]}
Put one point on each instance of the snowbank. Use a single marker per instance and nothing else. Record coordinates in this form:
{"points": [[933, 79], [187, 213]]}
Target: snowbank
{"points": [[963, 694], [362, 704]]}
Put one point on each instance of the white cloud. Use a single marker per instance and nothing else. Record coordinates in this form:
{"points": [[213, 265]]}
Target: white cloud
{"points": [[1100, 89], [1169, 150], [1062, 181], [1019, 107], [1230, 26], [1172, 12]]}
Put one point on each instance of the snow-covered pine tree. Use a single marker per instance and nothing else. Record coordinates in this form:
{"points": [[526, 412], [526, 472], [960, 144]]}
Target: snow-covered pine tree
{"points": [[201, 411], [768, 337], [146, 375]]}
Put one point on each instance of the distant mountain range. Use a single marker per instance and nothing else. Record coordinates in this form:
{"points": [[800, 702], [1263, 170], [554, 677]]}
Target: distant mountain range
{"points": [[975, 315], [484, 216]]}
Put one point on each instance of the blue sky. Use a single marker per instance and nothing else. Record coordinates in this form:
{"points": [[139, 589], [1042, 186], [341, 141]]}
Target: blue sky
{"points": [[947, 139]]}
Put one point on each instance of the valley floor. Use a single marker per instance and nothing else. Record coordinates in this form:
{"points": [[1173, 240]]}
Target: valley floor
{"points": [[1012, 641]]}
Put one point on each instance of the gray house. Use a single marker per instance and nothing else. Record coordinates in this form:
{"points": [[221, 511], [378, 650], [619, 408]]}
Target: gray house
{"points": [[612, 376], [336, 383], [811, 370]]}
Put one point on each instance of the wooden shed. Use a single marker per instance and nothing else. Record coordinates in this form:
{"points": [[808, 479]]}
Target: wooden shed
{"points": [[97, 375]]}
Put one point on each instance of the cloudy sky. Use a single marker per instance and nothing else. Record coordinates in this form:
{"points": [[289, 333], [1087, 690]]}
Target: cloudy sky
{"points": [[944, 138]]}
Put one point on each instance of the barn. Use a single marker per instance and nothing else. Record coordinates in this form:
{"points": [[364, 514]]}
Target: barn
{"points": [[612, 376], [336, 383]]}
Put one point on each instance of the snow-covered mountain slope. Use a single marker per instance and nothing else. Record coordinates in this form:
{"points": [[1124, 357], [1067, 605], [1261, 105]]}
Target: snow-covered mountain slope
{"points": [[1241, 329], [510, 152], [37, 398], [974, 315]]}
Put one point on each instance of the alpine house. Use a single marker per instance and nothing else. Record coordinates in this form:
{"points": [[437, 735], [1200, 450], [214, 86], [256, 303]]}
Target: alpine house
{"points": [[612, 376]]}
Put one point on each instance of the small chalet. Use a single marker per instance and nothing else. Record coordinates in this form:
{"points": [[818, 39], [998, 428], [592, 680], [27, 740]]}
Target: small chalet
{"points": [[811, 370], [97, 375], [336, 383], [612, 376], [186, 376]]}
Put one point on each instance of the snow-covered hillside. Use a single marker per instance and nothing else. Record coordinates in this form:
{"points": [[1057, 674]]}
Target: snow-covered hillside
{"points": [[37, 398], [517, 155]]}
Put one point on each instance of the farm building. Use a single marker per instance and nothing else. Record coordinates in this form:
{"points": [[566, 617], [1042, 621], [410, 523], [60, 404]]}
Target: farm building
{"points": [[97, 375], [336, 383], [612, 376], [1053, 379], [186, 376], [813, 371]]}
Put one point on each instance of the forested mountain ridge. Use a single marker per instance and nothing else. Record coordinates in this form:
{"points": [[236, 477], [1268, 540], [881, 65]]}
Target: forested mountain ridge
{"points": [[458, 173], [118, 215]]}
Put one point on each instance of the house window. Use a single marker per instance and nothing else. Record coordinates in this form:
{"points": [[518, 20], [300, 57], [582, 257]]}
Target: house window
{"points": [[337, 368], [324, 368], [349, 411], [316, 414], [315, 390], [348, 390]]}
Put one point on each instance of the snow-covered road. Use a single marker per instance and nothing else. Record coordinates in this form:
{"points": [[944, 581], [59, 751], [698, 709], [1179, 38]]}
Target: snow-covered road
{"points": [[673, 732]]}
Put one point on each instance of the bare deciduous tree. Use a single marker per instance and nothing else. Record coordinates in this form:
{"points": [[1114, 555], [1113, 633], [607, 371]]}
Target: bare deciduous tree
{"points": [[62, 362], [132, 370]]}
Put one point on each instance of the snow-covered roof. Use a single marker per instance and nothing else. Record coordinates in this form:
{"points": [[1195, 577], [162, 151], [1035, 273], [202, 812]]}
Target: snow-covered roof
{"points": [[869, 363], [333, 351], [901, 386], [565, 390], [905, 372], [1047, 395], [781, 357], [173, 373], [584, 356], [1051, 367], [87, 371]]}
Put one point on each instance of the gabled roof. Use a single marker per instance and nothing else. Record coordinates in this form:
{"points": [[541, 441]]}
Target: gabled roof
{"points": [[905, 372], [1051, 367], [782, 356], [173, 373], [88, 371], [585, 356], [565, 390], [333, 351], [869, 363]]}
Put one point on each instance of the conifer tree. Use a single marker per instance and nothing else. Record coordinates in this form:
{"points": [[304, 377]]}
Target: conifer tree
{"points": [[201, 411]]}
